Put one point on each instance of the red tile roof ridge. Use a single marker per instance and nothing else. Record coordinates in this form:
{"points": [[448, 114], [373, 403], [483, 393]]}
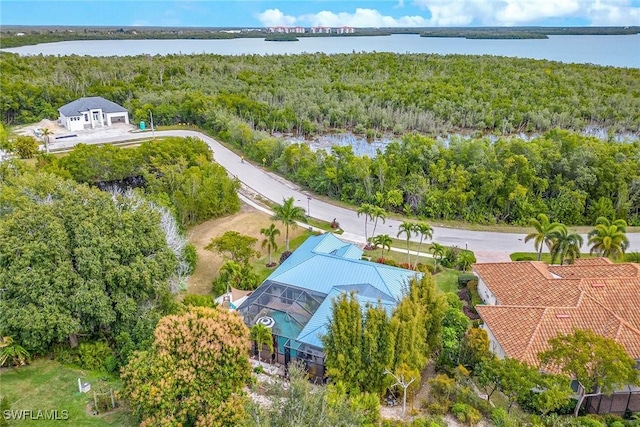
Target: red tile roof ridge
{"points": [[623, 322]]}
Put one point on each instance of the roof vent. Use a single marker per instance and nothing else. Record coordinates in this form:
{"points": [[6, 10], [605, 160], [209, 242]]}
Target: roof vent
{"points": [[597, 285], [562, 316]]}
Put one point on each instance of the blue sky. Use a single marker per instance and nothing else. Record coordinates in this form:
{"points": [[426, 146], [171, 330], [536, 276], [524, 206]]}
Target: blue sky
{"points": [[380, 13]]}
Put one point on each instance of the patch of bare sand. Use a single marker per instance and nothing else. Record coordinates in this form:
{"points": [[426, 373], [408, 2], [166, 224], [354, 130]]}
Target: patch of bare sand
{"points": [[248, 221]]}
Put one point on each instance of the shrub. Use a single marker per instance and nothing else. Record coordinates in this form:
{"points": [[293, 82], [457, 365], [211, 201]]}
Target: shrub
{"points": [[450, 258], [472, 288], [258, 369], [196, 300], [426, 268], [191, 256], [466, 413], [93, 356], [464, 278], [66, 355], [439, 408], [589, 422]]}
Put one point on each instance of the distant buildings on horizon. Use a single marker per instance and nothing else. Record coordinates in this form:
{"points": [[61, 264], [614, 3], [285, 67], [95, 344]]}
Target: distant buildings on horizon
{"points": [[312, 30]]}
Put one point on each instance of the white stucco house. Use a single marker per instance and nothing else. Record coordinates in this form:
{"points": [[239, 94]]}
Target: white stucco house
{"points": [[92, 112]]}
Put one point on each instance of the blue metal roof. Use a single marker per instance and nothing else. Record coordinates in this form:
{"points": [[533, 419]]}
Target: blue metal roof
{"points": [[316, 327], [329, 266], [318, 265]]}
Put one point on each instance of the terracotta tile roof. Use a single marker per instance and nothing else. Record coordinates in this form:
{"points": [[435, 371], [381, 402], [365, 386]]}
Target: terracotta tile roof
{"points": [[583, 271], [535, 307]]}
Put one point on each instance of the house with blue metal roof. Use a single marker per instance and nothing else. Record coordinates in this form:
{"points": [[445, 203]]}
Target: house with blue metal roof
{"points": [[295, 301]]}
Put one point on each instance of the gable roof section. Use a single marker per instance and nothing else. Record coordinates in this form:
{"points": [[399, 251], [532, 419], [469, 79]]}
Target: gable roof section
{"points": [[317, 326], [534, 308], [325, 261], [81, 105]]}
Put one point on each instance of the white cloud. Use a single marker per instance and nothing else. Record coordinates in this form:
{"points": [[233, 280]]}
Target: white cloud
{"points": [[361, 18], [460, 13], [274, 18], [612, 12]]}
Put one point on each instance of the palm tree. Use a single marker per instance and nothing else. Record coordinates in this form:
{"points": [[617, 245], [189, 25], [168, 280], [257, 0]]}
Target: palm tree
{"points": [[232, 272], [288, 215], [262, 335], [378, 213], [465, 259], [543, 227], [424, 230], [383, 241], [366, 209], [438, 251], [270, 234], [406, 228], [608, 238], [12, 353], [46, 133], [564, 245]]}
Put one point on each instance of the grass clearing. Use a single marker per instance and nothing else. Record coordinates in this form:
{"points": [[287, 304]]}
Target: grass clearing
{"points": [[447, 280], [49, 385], [248, 221]]}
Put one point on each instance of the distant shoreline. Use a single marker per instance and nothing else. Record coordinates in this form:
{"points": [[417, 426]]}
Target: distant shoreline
{"points": [[17, 35]]}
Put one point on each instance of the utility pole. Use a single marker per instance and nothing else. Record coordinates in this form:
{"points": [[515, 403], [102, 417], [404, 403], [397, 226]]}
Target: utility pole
{"points": [[308, 206], [153, 132]]}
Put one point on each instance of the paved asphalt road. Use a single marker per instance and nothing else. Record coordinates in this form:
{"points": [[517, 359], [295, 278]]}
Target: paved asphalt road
{"points": [[276, 188]]}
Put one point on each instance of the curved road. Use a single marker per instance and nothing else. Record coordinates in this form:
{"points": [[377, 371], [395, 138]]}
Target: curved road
{"points": [[276, 188]]}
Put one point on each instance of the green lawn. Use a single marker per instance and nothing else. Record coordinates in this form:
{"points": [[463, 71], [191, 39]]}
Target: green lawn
{"points": [[533, 256], [447, 280], [49, 385]]}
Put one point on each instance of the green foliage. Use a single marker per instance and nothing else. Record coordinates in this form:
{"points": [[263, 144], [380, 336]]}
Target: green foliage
{"points": [[269, 241], [609, 238], [298, 403], [25, 147], [466, 414], [288, 214], [416, 324], [598, 363], [195, 371], [190, 255], [96, 356], [178, 173], [564, 245], [262, 335], [343, 342], [12, 353], [197, 300], [92, 262], [238, 247]]}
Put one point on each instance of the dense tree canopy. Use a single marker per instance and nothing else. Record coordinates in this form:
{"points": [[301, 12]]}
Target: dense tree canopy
{"points": [[307, 93], [76, 261], [195, 371], [178, 173]]}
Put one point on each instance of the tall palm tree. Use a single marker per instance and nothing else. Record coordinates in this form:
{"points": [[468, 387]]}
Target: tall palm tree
{"points": [[365, 209], [543, 227], [406, 228], [564, 245], [438, 251], [378, 213], [288, 214], [46, 134], [608, 238], [262, 335], [270, 234], [425, 231], [383, 241]]}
